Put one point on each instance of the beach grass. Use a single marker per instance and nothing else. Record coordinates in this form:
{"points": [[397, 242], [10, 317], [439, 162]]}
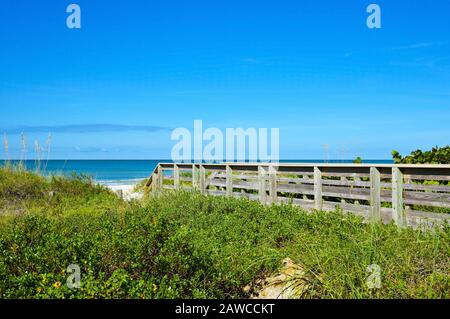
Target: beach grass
{"points": [[187, 245]]}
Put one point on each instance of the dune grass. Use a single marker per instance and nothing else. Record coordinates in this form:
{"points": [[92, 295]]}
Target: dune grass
{"points": [[24, 191], [186, 245]]}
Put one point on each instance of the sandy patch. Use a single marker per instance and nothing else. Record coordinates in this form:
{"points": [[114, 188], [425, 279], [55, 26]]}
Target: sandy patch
{"points": [[125, 191]]}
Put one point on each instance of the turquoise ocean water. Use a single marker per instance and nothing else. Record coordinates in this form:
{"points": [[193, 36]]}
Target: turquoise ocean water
{"points": [[116, 172]]}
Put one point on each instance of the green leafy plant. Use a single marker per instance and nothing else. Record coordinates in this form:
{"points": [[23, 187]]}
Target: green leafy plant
{"points": [[437, 155], [187, 245]]}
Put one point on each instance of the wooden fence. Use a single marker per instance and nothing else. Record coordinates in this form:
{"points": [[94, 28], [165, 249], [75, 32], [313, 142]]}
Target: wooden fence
{"points": [[406, 194]]}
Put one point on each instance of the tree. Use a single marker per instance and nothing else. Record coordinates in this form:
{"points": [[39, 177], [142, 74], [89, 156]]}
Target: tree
{"points": [[358, 160], [437, 155]]}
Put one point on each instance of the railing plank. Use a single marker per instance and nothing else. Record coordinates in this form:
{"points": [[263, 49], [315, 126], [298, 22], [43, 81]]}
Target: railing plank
{"points": [[321, 186]]}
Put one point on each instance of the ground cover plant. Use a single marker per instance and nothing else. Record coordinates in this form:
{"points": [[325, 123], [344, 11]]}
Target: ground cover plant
{"points": [[187, 245]]}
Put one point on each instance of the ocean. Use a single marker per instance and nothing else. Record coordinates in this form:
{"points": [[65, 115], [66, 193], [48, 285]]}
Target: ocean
{"points": [[122, 172], [108, 172]]}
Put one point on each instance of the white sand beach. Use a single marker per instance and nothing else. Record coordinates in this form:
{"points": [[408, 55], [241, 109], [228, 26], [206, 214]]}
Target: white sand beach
{"points": [[125, 191]]}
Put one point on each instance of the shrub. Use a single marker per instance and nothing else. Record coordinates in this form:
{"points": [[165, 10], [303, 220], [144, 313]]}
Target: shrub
{"points": [[437, 155], [186, 245]]}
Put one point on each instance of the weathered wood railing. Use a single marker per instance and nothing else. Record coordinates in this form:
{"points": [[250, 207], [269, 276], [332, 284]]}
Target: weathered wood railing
{"points": [[406, 194]]}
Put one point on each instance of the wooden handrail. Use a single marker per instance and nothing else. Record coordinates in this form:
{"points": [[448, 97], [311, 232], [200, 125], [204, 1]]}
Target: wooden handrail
{"points": [[376, 191]]}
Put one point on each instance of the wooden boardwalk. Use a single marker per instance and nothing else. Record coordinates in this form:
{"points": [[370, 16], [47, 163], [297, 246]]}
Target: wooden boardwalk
{"points": [[405, 194]]}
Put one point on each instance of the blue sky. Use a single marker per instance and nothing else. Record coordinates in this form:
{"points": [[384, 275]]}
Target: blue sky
{"points": [[136, 69]]}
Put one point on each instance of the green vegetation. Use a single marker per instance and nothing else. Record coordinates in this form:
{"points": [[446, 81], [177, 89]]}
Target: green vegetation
{"points": [[23, 191], [193, 246], [358, 160], [437, 155]]}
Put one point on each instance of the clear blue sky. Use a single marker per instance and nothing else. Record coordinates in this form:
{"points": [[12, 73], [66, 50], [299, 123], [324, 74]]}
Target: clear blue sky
{"points": [[311, 68]]}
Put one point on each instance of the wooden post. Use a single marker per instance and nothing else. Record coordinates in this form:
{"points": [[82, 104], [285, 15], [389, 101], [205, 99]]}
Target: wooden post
{"points": [[398, 213], [343, 178], [262, 184], [195, 177], [154, 184], [161, 179], [176, 176], [375, 195], [158, 182], [202, 179], [229, 182], [317, 188], [273, 185]]}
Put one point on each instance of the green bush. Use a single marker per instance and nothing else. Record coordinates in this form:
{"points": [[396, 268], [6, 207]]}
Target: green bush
{"points": [[437, 155], [22, 191], [186, 245]]}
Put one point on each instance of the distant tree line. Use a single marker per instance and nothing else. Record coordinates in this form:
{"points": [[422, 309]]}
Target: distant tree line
{"points": [[437, 155]]}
